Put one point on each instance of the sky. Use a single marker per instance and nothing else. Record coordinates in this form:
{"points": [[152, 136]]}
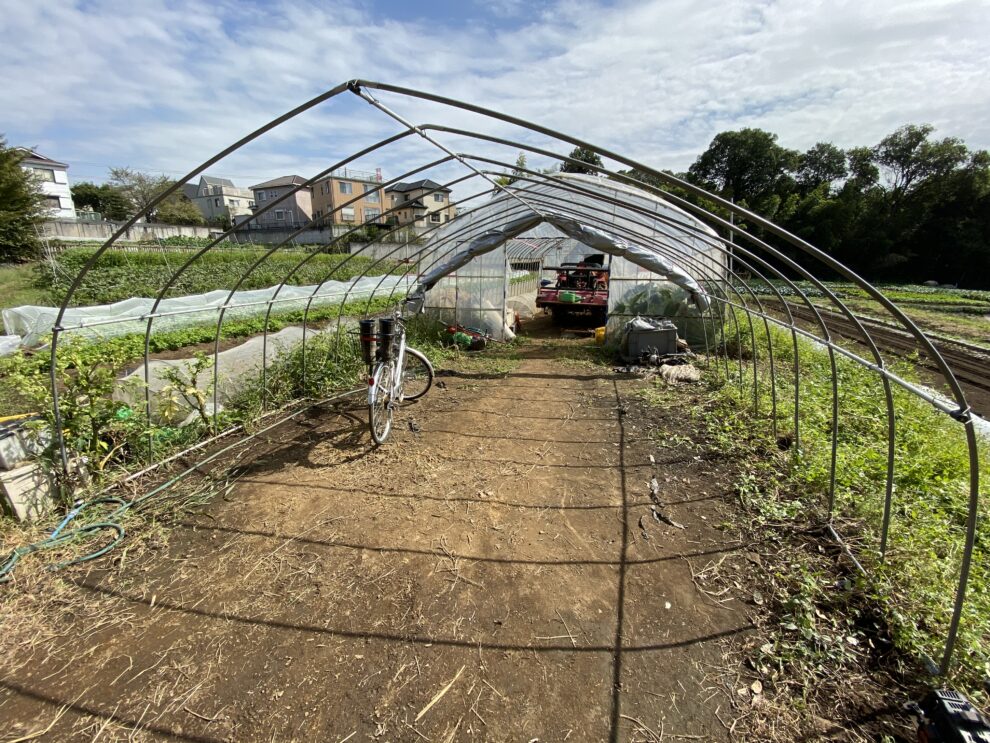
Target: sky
{"points": [[163, 85]]}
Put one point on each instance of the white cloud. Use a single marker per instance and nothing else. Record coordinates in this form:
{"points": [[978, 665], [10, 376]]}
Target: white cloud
{"points": [[164, 85]]}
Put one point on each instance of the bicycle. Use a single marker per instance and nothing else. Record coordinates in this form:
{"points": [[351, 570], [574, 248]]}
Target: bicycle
{"points": [[396, 372]]}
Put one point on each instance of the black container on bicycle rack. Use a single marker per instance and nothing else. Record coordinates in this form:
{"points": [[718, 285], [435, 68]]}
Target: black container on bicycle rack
{"points": [[369, 341], [386, 338]]}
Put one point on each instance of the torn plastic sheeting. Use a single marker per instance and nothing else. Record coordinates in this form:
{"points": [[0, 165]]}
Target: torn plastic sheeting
{"points": [[593, 237], [130, 315]]}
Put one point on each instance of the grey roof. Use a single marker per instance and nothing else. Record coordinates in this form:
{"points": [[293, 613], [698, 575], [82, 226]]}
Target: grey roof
{"points": [[426, 183], [191, 190], [414, 204], [37, 157], [211, 181], [285, 180]]}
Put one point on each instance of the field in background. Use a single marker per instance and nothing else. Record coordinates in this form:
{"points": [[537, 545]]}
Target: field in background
{"points": [[962, 314]]}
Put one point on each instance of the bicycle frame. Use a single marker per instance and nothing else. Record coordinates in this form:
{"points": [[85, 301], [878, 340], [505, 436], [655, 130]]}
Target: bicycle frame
{"points": [[398, 359]]}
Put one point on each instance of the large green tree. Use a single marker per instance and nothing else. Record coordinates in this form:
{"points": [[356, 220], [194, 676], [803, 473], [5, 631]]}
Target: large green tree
{"points": [[823, 164], [749, 167], [21, 207], [105, 199], [583, 155], [910, 208], [909, 157], [141, 189], [178, 209]]}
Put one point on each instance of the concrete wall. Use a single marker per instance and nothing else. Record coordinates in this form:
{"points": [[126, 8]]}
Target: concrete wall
{"points": [[390, 251], [69, 230], [306, 237]]}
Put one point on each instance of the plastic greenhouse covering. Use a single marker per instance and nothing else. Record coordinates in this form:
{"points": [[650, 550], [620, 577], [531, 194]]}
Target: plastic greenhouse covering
{"points": [[661, 258]]}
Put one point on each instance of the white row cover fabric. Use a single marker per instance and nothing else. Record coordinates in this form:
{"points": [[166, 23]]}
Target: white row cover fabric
{"points": [[237, 367], [33, 323]]}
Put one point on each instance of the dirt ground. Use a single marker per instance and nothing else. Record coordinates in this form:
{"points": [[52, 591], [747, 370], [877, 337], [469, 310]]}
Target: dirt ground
{"points": [[494, 572]]}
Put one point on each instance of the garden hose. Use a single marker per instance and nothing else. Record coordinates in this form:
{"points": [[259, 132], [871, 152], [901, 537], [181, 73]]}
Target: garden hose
{"points": [[59, 538]]}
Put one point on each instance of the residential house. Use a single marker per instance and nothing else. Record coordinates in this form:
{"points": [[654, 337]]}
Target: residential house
{"points": [[292, 212], [54, 177], [360, 191], [421, 203], [219, 200]]}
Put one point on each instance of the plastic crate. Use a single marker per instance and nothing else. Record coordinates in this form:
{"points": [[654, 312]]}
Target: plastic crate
{"points": [[662, 341]]}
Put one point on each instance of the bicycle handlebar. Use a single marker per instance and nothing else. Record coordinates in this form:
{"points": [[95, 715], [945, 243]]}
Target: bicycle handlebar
{"points": [[415, 303]]}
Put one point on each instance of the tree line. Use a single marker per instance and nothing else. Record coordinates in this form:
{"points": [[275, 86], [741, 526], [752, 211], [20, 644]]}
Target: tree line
{"points": [[128, 192], [910, 208]]}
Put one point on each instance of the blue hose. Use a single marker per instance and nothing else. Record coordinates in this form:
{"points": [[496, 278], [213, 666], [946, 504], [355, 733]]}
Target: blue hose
{"points": [[59, 538]]}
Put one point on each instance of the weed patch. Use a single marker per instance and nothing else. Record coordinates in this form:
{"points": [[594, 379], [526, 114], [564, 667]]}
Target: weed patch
{"points": [[914, 583]]}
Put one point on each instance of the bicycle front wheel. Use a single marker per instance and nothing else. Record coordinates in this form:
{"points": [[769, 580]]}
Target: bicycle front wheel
{"points": [[417, 375], [380, 407]]}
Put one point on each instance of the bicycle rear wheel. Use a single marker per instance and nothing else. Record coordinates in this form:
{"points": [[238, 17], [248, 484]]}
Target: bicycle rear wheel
{"points": [[417, 375], [380, 407]]}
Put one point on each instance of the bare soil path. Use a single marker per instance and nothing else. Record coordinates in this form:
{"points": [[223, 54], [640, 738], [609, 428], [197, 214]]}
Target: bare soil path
{"points": [[492, 573]]}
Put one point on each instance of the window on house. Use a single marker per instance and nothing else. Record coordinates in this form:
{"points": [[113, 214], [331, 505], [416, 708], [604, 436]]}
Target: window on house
{"points": [[438, 197], [371, 193], [346, 187], [372, 215], [273, 194], [235, 202], [435, 217], [52, 202], [279, 215], [216, 202], [347, 214], [46, 174], [251, 204], [261, 196]]}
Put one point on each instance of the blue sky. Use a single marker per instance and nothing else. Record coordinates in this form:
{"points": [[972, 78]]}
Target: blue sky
{"points": [[161, 85]]}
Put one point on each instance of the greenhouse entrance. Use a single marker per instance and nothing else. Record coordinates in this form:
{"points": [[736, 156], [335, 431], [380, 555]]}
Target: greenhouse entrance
{"points": [[502, 262]]}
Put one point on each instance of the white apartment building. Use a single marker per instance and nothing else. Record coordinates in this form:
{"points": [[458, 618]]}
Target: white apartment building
{"points": [[54, 177]]}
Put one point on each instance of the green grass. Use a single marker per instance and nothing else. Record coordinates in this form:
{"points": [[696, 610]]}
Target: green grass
{"points": [[119, 275], [428, 335], [915, 584], [955, 313], [18, 285]]}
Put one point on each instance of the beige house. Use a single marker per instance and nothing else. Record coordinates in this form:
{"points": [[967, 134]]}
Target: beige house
{"points": [[421, 203], [219, 200], [361, 191], [293, 212]]}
